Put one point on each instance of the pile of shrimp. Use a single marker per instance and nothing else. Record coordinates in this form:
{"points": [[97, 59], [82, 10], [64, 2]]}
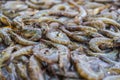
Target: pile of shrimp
{"points": [[60, 40]]}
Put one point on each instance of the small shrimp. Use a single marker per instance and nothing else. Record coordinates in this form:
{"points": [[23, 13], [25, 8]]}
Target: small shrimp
{"points": [[63, 55], [84, 69], [108, 21], [110, 34], [5, 55], [99, 9], [21, 40], [58, 36], [96, 42], [60, 7], [34, 33], [74, 36], [63, 13], [12, 71], [23, 51], [5, 36], [5, 20], [47, 55], [82, 12], [38, 2], [22, 71], [96, 24], [114, 77], [45, 19], [34, 69]]}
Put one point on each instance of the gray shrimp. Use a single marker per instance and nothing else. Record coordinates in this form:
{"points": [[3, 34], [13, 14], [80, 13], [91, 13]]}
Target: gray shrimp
{"points": [[21, 40], [34, 33], [57, 36], [35, 69], [5, 36], [23, 51], [96, 42]]}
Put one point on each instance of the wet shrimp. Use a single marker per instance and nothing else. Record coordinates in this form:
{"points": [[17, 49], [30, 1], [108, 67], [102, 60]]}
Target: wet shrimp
{"points": [[21, 40], [5, 20], [81, 10], [63, 13], [23, 51], [74, 36], [94, 43], [99, 25], [109, 21], [5, 36], [84, 69], [33, 34], [5, 55], [63, 56], [22, 70], [35, 69], [57, 36]]}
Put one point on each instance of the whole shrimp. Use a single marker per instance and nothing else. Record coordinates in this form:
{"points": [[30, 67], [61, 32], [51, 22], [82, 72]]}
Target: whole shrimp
{"points": [[57, 36], [23, 51], [96, 42], [21, 40], [35, 69], [84, 69]]}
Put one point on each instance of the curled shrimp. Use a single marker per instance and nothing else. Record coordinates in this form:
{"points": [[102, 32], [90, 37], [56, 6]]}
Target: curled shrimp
{"points": [[96, 24], [63, 55], [34, 33], [84, 69], [63, 13], [22, 70], [23, 51], [58, 36], [96, 42], [34, 69], [5, 55], [109, 21], [5, 20], [21, 40], [74, 36], [5, 36], [82, 12]]}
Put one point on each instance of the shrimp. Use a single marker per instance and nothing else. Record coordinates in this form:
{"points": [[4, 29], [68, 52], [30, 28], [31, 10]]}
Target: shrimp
{"points": [[108, 21], [5, 55], [5, 20], [22, 70], [99, 25], [74, 36], [63, 55], [96, 42], [23, 51], [35, 69], [84, 69], [21, 40], [81, 10], [34, 33], [5, 36], [58, 36], [63, 13]]}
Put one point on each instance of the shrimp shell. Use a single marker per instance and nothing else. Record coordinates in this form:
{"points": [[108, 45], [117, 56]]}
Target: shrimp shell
{"points": [[21, 40], [58, 37], [108, 21], [23, 51], [95, 42], [34, 69]]}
